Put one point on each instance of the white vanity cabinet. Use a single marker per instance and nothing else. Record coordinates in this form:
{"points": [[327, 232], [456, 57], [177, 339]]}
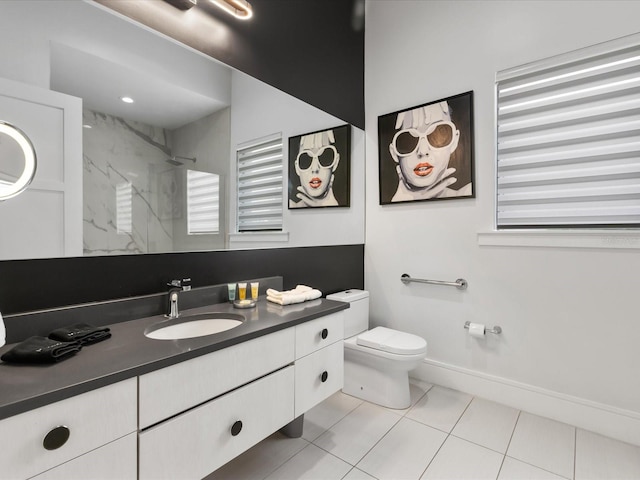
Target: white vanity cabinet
{"points": [[197, 415], [61, 433], [319, 360]]}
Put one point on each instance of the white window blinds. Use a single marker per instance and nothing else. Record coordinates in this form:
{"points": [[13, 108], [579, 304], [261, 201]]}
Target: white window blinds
{"points": [[569, 140], [124, 200], [203, 202], [260, 185]]}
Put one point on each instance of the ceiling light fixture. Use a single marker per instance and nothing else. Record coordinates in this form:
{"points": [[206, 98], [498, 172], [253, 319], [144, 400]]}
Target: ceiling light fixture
{"points": [[183, 4], [238, 8], [126, 99]]}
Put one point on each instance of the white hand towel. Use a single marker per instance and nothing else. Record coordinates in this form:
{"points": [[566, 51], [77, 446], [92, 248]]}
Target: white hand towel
{"points": [[3, 332], [313, 294], [273, 293]]}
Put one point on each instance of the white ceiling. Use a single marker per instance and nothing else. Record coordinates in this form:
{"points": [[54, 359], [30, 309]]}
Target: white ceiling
{"points": [[172, 85]]}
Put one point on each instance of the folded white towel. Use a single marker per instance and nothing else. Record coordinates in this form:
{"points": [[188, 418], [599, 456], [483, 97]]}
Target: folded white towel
{"points": [[293, 296], [298, 290]]}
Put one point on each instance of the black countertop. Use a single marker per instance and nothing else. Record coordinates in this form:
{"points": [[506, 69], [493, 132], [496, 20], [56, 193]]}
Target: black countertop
{"points": [[128, 353]]}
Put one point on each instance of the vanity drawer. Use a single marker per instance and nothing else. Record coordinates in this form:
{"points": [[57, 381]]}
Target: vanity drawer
{"points": [[192, 445], [319, 376], [116, 460], [319, 333], [177, 388], [93, 419]]}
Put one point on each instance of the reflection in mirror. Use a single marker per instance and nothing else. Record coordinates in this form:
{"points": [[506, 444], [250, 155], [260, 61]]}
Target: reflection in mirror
{"points": [[189, 114], [17, 161]]}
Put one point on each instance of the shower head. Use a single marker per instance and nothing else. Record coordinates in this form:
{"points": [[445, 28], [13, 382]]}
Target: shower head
{"points": [[176, 163]]}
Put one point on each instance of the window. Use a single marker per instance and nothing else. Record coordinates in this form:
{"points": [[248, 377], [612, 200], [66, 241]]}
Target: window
{"points": [[203, 202], [568, 133], [123, 208], [260, 185]]}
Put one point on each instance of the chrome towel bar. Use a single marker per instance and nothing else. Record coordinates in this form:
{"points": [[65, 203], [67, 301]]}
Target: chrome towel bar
{"points": [[460, 283]]}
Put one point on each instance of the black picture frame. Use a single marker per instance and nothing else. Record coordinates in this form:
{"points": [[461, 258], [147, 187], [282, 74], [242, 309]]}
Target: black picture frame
{"points": [[405, 177], [338, 191]]}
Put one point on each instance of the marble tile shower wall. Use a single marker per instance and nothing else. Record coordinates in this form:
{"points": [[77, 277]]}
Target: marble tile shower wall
{"points": [[117, 151]]}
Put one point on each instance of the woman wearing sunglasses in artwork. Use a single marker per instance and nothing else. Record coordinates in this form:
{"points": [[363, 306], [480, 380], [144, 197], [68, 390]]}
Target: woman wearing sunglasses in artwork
{"points": [[421, 148], [315, 164]]}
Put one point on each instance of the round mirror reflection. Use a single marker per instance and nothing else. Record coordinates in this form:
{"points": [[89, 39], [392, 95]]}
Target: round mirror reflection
{"points": [[17, 161]]}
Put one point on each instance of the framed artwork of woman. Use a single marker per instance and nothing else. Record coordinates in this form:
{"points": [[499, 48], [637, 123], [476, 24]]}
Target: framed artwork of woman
{"points": [[426, 152]]}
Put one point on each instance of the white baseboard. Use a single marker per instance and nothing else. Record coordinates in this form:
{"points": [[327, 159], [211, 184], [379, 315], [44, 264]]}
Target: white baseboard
{"points": [[613, 422]]}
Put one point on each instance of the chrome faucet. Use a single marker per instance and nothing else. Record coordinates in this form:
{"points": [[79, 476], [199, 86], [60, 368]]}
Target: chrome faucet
{"points": [[176, 286]]}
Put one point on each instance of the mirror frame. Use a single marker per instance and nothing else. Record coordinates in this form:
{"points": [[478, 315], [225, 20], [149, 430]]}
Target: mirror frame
{"points": [[30, 160]]}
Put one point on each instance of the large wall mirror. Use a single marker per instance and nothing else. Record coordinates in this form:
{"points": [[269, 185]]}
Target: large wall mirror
{"points": [[114, 177]]}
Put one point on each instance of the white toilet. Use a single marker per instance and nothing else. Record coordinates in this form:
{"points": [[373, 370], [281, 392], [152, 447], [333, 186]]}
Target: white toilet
{"points": [[377, 361]]}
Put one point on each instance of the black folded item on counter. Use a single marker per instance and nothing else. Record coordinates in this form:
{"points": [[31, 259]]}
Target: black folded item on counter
{"points": [[83, 333], [41, 350]]}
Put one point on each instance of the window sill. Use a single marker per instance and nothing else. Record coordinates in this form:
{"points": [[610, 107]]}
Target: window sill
{"points": [[259, 237], [614, 239]]}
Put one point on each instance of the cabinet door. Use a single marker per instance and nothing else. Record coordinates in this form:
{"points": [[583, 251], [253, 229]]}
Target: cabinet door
{"points": [[175, 389], [116, 460], [194, 444], [319, 333], [92, 419], [318, 376]]}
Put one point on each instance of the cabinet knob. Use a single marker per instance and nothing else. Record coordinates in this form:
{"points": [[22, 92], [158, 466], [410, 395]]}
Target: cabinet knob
{"points": [[236, 428], [325, 333], [324, 376], [56, 438]]}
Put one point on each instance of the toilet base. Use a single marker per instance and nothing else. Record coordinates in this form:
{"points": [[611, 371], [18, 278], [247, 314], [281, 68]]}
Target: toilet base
{"points": [[388, 388]]}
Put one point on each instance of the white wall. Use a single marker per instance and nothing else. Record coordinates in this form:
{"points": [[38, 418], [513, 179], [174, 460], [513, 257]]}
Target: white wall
{"points": [[259, 110], [569, 315]]}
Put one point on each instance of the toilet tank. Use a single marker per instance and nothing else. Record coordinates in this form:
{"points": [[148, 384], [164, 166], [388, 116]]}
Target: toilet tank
{"points": [[357, 315]]}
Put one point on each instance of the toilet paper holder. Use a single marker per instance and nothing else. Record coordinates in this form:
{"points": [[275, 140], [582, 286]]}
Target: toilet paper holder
{"points": [[495, 330]]}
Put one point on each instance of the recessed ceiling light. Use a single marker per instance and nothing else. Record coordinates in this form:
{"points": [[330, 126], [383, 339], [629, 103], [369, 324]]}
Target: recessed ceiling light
{"points": [[86, 126], [126, 99]]}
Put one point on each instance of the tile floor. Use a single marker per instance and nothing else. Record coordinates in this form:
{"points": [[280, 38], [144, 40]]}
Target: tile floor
{"points": [[445, 434]]}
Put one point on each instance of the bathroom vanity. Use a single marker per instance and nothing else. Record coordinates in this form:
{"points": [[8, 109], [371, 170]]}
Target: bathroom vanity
{"points": [[135, 407]]}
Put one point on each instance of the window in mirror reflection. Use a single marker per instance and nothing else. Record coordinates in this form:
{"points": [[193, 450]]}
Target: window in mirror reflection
{"points": [[203, 202], [260, 185], [124, 221]]}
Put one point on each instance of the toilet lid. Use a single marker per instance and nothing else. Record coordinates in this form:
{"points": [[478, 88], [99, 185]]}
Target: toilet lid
{"points": [[392, 341]]}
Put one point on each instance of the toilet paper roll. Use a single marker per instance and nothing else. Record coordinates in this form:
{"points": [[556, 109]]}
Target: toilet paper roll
{"points": [[476, 330]]}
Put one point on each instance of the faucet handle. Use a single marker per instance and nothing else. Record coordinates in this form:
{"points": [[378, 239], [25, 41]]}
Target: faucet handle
{"points": [[184, 284]]}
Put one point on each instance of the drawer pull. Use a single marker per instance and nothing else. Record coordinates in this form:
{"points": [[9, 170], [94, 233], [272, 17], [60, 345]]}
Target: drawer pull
{"points": [[325, 333], [324, 376], [236, 428], [56, 438]]}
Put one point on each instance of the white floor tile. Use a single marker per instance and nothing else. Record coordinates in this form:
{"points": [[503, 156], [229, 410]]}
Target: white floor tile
{"points": [[326, 414], [440, 408], [404, 452], [488, 424], [513, 469], [262, 459], [544, 443], [356, 474], [599, 457], [312, 463], [459, 460], [353, 436]]}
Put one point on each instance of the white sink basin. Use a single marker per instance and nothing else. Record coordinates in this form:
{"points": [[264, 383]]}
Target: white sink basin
{"points": [[192, 326]]}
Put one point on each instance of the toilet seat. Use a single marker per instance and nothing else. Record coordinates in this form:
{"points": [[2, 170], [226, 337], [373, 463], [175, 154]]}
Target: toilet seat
{"points": [[392, 341]]}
